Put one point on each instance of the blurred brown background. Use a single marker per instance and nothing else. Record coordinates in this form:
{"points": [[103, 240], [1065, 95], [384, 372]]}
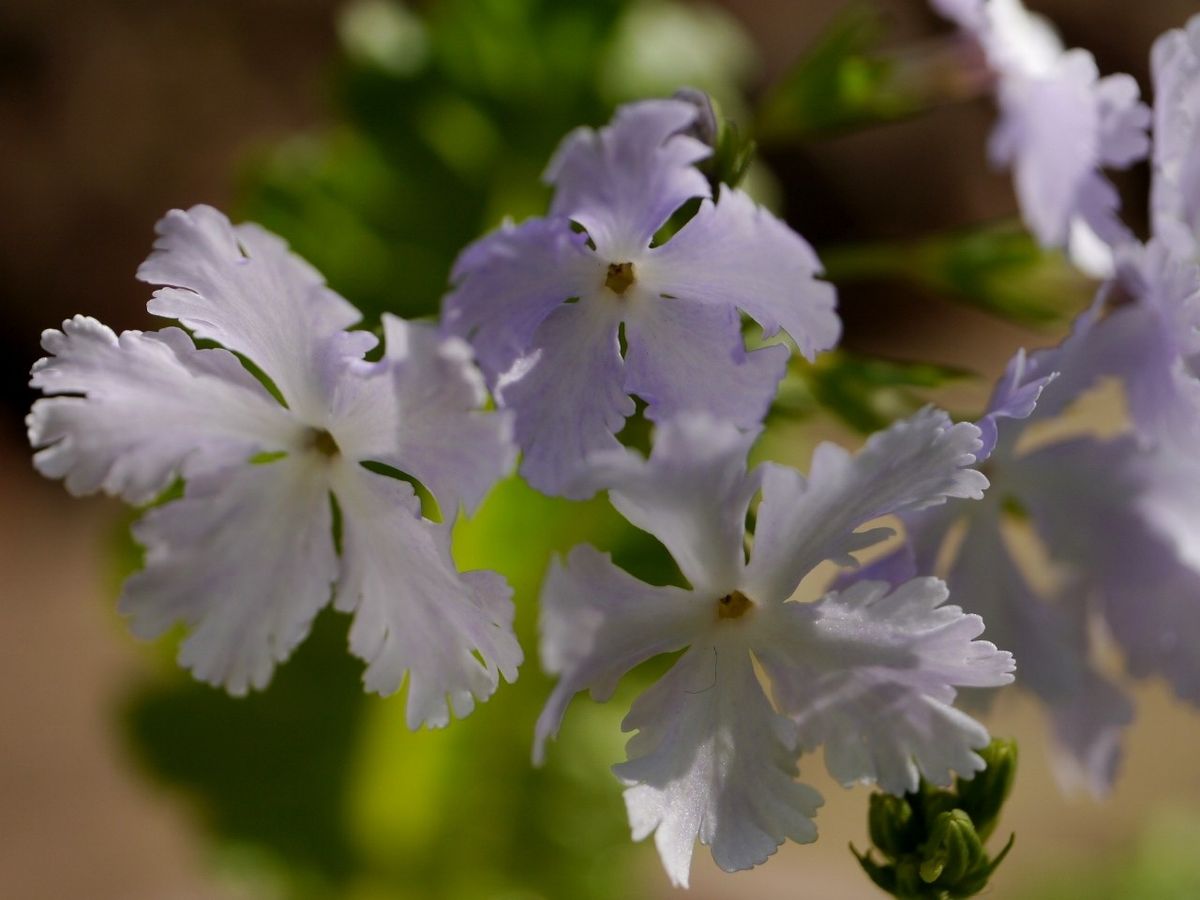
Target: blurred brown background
{"points": [[112, 111]]}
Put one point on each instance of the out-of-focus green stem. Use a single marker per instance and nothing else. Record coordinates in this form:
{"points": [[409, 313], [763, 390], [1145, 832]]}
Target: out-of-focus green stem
{"points": [[848, 79], [996, 268]]}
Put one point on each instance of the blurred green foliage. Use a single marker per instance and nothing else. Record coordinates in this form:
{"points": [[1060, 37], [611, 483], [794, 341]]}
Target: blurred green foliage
{"points": [[852, 78], [448, 118], [1163, 865], [998, 269], [866, 393]]}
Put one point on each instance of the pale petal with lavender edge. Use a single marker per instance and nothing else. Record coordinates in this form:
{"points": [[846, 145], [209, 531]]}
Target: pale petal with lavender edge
{"points": [[622, 182], [597, 623], [128, 415], [735, 253], [692, 494], [242, 287], [246, 559], [415, 616], [871, 673], [713, 761], [917, 463]]}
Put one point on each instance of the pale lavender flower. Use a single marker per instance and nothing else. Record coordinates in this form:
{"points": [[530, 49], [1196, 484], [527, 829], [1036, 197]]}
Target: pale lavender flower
{"points": [[569, 325], [869, 673], [1060, 125], [247, 557], [1144, 327], [1175, 194], [1120, 524]]}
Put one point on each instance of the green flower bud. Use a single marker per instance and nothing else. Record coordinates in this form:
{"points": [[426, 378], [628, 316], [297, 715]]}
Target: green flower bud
{"points": [[934, 801], [891, 826], [953, 849], [983, 796]]}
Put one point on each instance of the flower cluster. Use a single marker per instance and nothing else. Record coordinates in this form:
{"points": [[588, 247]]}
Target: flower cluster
{"points": [[304, 450], [1117, 517]]}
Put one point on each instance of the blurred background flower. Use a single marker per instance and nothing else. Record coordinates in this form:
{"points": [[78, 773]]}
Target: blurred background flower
{"points": [[380, 138]]}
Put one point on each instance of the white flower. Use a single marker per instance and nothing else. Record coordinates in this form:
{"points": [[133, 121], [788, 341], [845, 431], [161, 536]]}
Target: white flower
{"points": [[247, 557], [870, 672]]}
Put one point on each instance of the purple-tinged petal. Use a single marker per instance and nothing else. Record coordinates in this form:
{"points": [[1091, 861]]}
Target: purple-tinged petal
{"points": [[735, 254], [568, 397], [420, 411], [508, 282], [917, 463], [128, 415], [1143, 329], [712, 760], [1020, 43], [242, 287], [1098, 506], [1175, 198], [1049, 135], [687, 357], [623, 182], [1151, 603], [1087, 713], [871, 673], [692, 494], [1014, 397], [246, 560], [416, 618], [597, 623], [970, 15], [1124, 121]]}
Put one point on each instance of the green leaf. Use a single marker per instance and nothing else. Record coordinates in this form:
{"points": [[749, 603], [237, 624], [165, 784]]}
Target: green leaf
{"points": [[270, 769]]}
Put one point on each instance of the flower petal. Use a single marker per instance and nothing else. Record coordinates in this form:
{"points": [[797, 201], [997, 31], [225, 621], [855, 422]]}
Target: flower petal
{"points": [[1015, 396], [137, 411], [968, 14], [623, 182], [1049, 134], [690, 357], [246, 559], [508, 282], [1102, 508], [414, 613], [597, 623], [871, 673], [1124, 120], [735, 254], [692, 494], [1175, 199], [242, 287], [1087, 713], [423, 416], [568, 398], [712, 760], [917, 463]]}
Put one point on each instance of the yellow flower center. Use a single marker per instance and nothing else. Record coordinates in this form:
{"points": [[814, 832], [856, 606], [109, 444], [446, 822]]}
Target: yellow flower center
{"points": [[620, 277], [733, 606], [322, 441]]}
